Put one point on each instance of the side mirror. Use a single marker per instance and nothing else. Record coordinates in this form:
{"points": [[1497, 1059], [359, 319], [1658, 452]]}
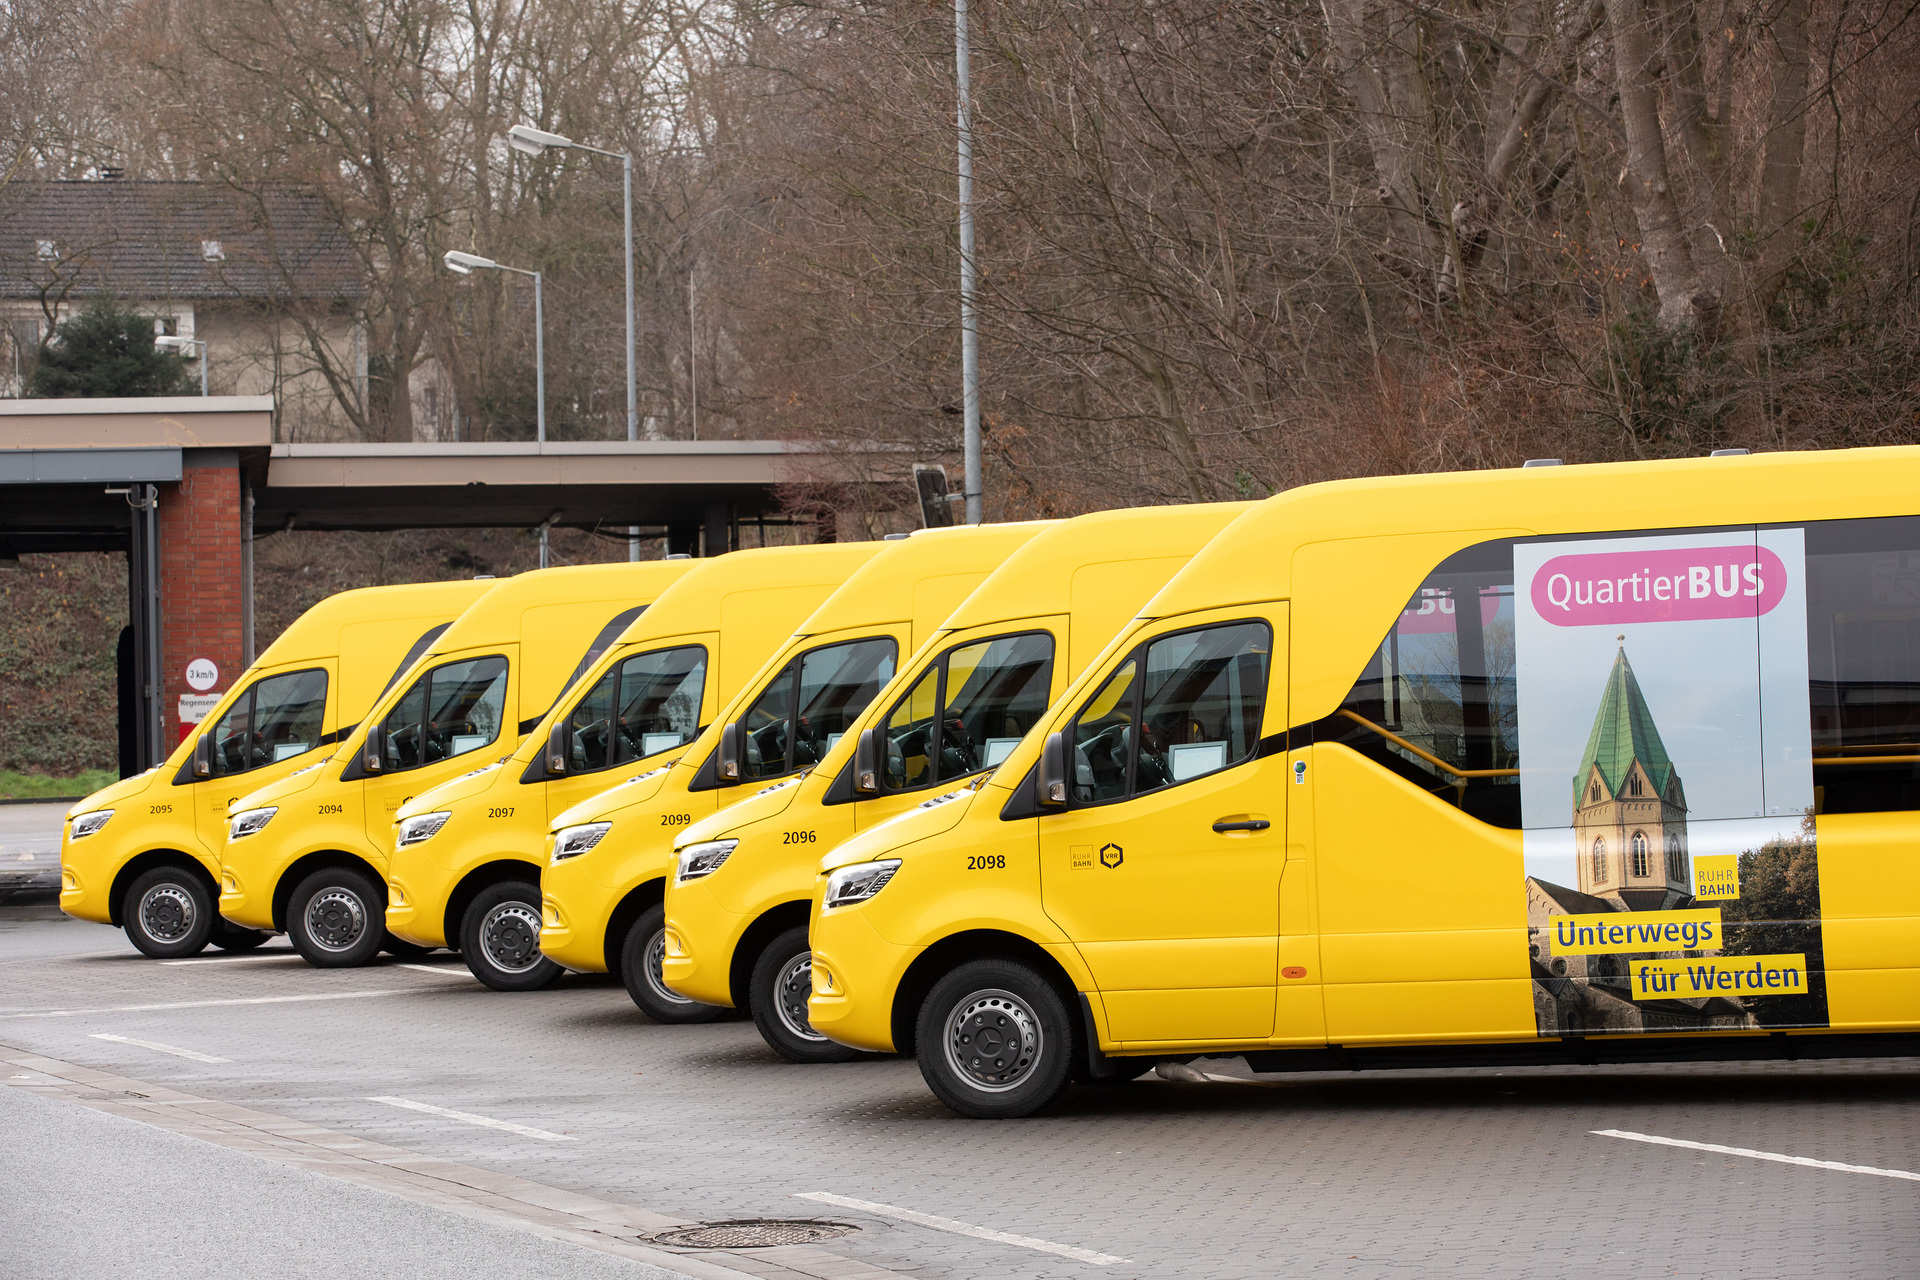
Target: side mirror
{"points": [[729, 761], [373, 753], [1053, 770], [557, 744], [866, 761], [203, 756]]}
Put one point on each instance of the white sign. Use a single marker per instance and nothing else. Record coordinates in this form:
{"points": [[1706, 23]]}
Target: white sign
{"points": [[202, 675], [195, 706]]}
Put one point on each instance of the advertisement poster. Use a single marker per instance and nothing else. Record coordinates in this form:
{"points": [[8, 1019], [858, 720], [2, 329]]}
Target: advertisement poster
{"points": [[1666, 783]]}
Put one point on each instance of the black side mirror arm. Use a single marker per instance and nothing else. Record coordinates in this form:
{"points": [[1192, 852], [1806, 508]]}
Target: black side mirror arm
{"points": [[1053, 772], [866, 761]]}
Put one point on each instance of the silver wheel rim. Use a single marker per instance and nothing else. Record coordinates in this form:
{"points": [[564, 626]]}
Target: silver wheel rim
{"points": [[510, 937], [655, 969], [167, 913], [336, 919], [993, 1040], [791, 988]]}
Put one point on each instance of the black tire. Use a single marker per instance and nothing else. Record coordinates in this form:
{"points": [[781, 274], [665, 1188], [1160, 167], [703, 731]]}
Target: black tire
{"points": [[777, 997], [994, 1040], [337, 918], [229, 936], [500, 938], [640, 956], [168, 913], [401, 950]]}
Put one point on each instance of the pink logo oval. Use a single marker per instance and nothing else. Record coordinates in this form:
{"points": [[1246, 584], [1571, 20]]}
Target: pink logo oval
{"points": [[1659, 585]]}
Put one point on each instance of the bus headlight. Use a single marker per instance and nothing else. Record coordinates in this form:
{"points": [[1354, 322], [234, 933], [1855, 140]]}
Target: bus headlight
{"points": [[421, 826], [697, 860], [89, 823], [571, 842], [250, 822], [859, 882]]}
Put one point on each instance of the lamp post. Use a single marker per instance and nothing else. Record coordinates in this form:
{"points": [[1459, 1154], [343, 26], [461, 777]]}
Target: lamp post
{"points": [[169, 342], [466, 264], [969, 317], [530, 141]]}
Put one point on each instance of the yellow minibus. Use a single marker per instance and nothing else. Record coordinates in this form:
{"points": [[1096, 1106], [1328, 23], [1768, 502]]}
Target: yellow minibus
{"points": [[466, 854], [1558, 764], [964, 701], [307, 854], [607, 858], [144, 853]]}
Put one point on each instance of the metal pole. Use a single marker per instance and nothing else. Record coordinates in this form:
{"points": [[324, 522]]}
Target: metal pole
{"points": [[203, 369], [540, 371], [633, 395], [693, 360], [969, 322], [246, 567]]}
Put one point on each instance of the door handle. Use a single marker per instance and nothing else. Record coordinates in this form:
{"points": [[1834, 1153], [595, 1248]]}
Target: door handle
{"points": [[1248, 824]]}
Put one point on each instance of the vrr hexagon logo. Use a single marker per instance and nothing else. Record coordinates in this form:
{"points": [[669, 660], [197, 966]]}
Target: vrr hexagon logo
{"points": [[1112, 855]]}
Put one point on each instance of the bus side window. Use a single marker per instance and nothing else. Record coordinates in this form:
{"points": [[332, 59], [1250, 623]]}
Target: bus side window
{"points": [[1435, 703], [1863, 663]]}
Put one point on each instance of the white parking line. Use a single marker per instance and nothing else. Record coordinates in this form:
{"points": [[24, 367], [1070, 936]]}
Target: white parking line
{"points": [[1751, 1154], [209, 1004], [963, 1228], [157, 1048], [256, 956], [456, 970], [525, 1131]]}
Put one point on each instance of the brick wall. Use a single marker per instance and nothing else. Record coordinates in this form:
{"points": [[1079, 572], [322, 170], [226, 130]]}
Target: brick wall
{"points": [[199, 583]]}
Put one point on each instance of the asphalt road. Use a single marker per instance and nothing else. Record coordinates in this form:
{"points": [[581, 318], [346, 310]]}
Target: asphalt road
{"points": [[474, 1128]]}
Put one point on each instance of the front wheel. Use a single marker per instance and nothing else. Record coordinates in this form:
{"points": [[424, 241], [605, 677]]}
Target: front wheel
{"points": [[641, 957], [168, 913], [994, 1040], [500, 938], [337, 918], [782, 981]]}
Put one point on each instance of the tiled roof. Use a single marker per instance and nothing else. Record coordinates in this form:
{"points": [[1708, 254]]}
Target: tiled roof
{"points": [[1623, 731], [152, 241]]}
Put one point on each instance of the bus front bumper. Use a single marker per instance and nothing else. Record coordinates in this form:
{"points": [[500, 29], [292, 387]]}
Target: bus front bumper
{"points": [[702, 936], [574, 908], [855, 975]]}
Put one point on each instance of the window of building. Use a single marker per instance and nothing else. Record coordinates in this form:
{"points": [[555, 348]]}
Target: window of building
{"points": [[47, 250], [212, 251], [1676, 860], [1435, 703], [1642, 859], [1599, 859]]}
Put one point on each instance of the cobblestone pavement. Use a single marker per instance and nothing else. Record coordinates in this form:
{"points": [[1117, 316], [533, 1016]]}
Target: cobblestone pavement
{"points": [[1423, 1174]]}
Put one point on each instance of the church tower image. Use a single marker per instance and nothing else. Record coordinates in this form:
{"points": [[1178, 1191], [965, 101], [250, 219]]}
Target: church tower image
{"points": [[1629, 808]]}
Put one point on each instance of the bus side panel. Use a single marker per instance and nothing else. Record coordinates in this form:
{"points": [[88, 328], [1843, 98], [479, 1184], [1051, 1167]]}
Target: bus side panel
{"points": [[1423, 924], [1870, 919]]}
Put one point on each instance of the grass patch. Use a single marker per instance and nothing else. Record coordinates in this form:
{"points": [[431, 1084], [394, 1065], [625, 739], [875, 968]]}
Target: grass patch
{"points": [[40, 786]]}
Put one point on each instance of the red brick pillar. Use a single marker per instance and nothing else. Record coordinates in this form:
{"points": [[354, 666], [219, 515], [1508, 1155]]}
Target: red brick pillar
{"points": [[199, 584]]}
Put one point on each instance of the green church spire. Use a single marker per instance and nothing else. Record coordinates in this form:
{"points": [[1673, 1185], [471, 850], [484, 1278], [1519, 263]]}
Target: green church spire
{"points": [[1623, 731]]}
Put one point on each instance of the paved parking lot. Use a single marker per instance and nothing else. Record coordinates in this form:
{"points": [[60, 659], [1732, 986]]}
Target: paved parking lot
{"points": [[566, 1116]]}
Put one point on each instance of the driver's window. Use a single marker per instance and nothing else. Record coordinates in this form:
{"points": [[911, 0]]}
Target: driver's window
{"points": [[659, 705], [1187, 706], [449, 711], [969, 711], [232, 734], [909, 733], [1203, 695], [278, 718], [591, 727], [766, 726], [1102, 737], [809, 705]]}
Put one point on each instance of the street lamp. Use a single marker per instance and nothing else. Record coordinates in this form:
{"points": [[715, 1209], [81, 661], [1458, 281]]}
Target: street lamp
{"points": [[530, 141], [169, 342], [466, 264]]}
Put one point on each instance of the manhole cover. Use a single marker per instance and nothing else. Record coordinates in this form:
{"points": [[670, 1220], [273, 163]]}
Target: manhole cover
{"points": [[752, 1233]]}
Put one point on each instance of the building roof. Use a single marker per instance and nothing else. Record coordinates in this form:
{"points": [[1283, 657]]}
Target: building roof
{"points": [[1623, 731], [158, 241]]}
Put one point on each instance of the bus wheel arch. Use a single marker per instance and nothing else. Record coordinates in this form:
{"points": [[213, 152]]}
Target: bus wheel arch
{"points": [[771, 924], [648, 893], [957, 949], [476, 882], [150, 860], [308, 863]]}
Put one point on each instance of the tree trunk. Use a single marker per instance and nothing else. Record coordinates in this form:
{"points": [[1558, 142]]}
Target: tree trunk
{"points": [[1663, 239]]}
